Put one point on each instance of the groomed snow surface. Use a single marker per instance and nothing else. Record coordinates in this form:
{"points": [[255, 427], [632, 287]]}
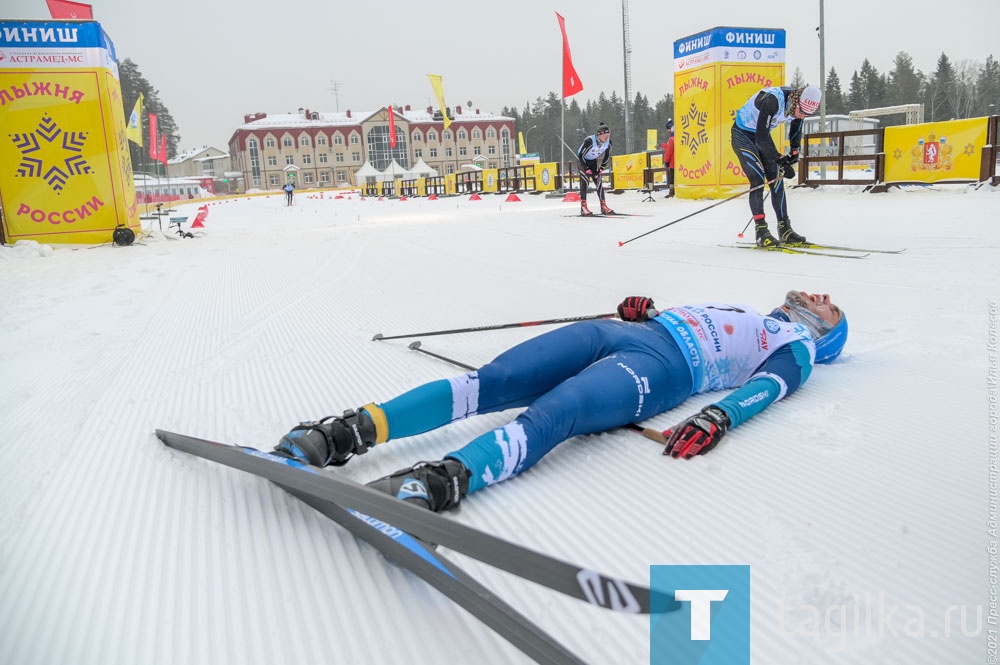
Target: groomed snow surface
{"points": [[862, 503]]}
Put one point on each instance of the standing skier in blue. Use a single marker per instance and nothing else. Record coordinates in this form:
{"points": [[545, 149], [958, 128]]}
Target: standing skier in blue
{"points": [[761, 161], [594, 156], [589, 377]]}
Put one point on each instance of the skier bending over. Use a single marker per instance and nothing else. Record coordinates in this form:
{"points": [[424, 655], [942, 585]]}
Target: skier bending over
{"points": [[594, 155], [589, 377], [761, 162]]}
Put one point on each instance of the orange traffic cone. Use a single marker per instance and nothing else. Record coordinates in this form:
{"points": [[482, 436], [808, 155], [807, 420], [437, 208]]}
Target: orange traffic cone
{"points": [[512, 198], [475, 197], [571, 197]]}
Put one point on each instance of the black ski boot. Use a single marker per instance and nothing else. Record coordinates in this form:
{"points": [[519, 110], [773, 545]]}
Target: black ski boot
{"points": [[332, 440], [764, 237], [787, 233], [437, 485]]}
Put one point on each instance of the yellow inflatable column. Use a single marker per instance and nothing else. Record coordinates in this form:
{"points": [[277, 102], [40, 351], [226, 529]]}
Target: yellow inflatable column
{"points": [[715, 72], [65, 169]]}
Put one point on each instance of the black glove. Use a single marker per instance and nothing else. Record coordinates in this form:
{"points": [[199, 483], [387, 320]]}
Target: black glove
{"points": [[785, 168], [636, 308], [698, 434]]}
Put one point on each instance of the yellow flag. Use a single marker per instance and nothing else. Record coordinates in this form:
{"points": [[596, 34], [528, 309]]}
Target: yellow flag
{"points": [[133, 128], [439, 93], [520, 142], [651, 139]]}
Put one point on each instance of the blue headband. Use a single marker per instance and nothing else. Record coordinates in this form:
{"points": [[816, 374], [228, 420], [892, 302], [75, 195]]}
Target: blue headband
{"points": [[829, 346]]}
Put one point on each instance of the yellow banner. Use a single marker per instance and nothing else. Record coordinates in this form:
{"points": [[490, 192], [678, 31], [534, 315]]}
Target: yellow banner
{"points": [[65, 169], [628, 170], [421, 186], [545, 176], [935, 151], [133, 128], [651, 143], [438, 86], [490, 180], [449, 183], [737, 83], [520, 144]]}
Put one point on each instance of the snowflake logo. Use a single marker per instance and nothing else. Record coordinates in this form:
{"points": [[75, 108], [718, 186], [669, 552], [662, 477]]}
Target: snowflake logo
{"points": [[897, 153], [693, 132], [50, 153], [970, 149]]}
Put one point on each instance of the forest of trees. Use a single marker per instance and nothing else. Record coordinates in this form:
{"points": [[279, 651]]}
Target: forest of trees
{"points": [[962, 90], [953, 90], [133, 82]]}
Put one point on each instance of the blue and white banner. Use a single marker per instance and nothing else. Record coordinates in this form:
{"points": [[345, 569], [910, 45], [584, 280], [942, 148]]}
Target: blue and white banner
{"points": [[728, 44]]}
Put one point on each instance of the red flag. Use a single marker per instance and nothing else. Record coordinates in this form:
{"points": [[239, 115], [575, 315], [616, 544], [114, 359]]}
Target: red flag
{"points": [[571, 82], [392, 129], [154, 144], [163, 149], [67, 9]]}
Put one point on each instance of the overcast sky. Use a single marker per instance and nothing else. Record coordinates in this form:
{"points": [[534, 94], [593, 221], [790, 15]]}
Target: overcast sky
{"points": [[214, 61]]}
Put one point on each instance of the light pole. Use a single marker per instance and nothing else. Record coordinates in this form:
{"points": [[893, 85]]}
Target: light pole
{"points": [[527, 133]]}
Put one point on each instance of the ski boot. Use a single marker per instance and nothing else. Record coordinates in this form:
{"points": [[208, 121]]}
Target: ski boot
{"points": [[787, 233], [436, 486], [764, 237], [332, 440], [606, 209], [584, 210]]}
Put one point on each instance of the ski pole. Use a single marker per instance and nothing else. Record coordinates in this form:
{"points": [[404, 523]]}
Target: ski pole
{"points": [[740, 234], [501, 326], [416, 347], [648, 432], [697, 212]]}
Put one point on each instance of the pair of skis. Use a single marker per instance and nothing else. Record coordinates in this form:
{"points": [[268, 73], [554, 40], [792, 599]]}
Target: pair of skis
{"points": [[401, 532], [613, 215], [836, 251]]}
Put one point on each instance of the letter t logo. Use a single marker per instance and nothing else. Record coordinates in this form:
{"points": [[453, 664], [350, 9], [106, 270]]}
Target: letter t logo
{"points": [[701, 609]]}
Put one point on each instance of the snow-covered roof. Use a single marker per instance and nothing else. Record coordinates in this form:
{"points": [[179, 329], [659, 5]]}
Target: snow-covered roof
{"points": [[341, 118]]}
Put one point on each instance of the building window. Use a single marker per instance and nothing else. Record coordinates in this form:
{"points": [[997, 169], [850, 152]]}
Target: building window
{"points": [[338, 139], [491, 149], [447, 152], [432, 135], [289, 159], [321, 139], [287, 142], [340, 158], [434, 153], [446, 135], [463, 151], [356, 157], [272, 160], [307, 159], [254, 161], [418, 153], [418, 136], [304, 142], [270, 143], [380, 154], [477, 149], [324, 176], [355, 139], [307, 178], [324, 158], [491, 133], [341, 176], [273, 179]]}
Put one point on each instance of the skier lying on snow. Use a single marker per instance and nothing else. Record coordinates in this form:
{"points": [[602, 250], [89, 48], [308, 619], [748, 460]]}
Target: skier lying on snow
{"points": [[589, 377]]}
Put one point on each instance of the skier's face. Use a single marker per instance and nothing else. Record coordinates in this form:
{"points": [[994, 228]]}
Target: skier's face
{"points": [[818, 304]]}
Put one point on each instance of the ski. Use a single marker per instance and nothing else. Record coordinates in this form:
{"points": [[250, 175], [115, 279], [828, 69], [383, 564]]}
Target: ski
{"points": [[796, 250], [575, 581], [423, 561], [616, 215], [813, 245]]}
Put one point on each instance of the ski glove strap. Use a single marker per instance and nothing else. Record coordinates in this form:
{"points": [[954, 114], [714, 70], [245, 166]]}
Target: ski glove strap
{"points": [[698, 434]]}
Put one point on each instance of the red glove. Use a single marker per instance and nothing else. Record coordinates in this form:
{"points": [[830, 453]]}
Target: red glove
{"points": [[636, 308], [698, 434]]}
